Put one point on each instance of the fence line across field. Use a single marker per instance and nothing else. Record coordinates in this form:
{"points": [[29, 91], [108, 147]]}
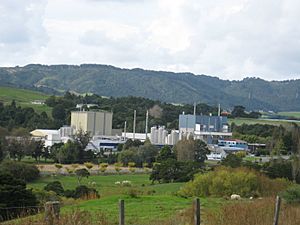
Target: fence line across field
{"points": [[52, 210]]}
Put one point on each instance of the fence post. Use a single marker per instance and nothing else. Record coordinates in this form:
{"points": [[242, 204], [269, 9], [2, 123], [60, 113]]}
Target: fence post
{"points": [[52, 210], [277, 209], [197, 211], [121, 212]]}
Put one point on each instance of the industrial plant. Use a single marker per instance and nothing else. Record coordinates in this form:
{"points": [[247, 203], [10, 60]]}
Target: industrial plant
{"points": [[211, 129]]}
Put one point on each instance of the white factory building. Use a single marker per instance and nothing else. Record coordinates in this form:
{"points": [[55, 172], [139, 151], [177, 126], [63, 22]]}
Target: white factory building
{"points": [[158, 136], [52, 137], [98, 123]]}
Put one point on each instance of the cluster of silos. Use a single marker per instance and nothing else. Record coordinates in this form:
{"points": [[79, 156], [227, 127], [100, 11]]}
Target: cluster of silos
{"points": [[159, 135], [173, 138]]}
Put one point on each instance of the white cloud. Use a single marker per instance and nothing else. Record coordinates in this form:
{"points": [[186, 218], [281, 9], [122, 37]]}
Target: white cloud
{"points": [[21, 30], [227, 38]]}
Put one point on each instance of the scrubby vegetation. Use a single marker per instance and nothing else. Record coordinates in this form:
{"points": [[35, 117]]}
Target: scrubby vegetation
{"points": [[227, 181], [258, 212]]}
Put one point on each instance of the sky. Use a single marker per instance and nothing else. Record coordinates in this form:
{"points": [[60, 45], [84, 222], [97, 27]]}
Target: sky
{"points": [[231, 39]]}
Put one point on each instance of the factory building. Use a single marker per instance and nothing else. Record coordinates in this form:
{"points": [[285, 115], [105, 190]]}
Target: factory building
{"points": [[95, 122], [208, 128]]}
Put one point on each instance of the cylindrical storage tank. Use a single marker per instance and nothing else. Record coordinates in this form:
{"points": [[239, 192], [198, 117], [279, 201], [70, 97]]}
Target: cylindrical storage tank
{"points": [[155, 140], [152, 134], [164, 136]]}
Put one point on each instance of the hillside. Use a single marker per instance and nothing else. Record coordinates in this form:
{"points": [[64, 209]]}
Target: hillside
{"points": [[254, 93], [24, 98]]}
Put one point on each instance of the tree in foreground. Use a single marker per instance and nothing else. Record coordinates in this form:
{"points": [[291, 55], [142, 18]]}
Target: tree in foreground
{"points": [[14, 195], [191, 150], [81, 173]]}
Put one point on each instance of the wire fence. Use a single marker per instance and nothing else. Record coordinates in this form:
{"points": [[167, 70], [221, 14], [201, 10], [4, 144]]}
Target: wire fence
{"points": [[123, 213], [134, 211]]}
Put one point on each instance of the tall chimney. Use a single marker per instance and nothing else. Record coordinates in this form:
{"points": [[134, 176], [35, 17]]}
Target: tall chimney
{"points": [[146, 127], [125, 127], [134, 123]]}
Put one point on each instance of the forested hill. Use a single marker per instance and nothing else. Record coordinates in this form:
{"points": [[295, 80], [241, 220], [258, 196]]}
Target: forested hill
{"points": [[104, 80]]}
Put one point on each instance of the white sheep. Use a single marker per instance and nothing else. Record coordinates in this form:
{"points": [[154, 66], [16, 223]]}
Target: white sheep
{"points": [[235, 197]]}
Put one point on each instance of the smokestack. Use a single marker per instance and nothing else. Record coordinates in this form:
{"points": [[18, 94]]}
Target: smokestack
{"points": [[219, 110], [146, 127], [125, 126], [134, 123], [195, 108]]}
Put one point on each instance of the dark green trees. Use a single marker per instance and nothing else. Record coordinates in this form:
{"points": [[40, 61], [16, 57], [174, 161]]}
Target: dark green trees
{"points": [[13, 193]]}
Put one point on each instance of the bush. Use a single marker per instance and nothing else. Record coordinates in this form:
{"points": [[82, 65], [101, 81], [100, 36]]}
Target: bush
{"points": [[232, 160], [241, 154], [226, 181], [69, 193], [131, 164], [131, 169], [173, 171], [89, 165], [56, 187], [85, 192], [292, 194], [44, 196], [13, 193], [133, 192], [262, 151], [20, 170], [280, 168]]}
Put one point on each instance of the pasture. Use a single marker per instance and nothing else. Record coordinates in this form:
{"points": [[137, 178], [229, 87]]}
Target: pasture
{"points": [[24, 98], [152, 202], [291, 114], [240, 121]]}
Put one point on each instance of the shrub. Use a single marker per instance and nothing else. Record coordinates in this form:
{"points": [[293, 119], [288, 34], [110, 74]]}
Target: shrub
{"points": [[81, 173], [44, 196], [292, 194], [260, 152], [69, 170], [75, 166], [131, 164], [69, 193], [232, 160], [85, 192], [88, 165], [241, 154], [56, 187], [280, 168], [133, 192], [103, 167], [118, 167], [132, 170], [226, 181], [173, 171], [20, 170], [13, 193], [58, 166]]}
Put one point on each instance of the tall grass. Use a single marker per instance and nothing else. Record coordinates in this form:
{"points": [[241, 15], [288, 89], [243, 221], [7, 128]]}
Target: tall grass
{"points": [[258, 212], [76, 217]]}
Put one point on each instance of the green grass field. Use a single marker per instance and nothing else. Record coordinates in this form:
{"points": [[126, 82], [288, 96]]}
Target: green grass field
{"points": [[24, 98], [292, 114], [106, 186], [153, 202], [240, 121]]}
